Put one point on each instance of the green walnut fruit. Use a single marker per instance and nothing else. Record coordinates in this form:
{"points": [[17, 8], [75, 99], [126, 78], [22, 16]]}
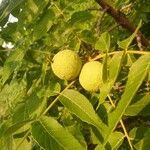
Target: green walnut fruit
{"points": [[91, 76], [66, 65]]}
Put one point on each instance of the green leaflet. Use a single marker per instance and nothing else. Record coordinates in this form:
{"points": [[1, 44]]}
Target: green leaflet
{"points": [[80, 17], [31, 107], [137, 73], [140, 136], [52, 136], [114, 68], [12, 63], [8, 8], [115, 140], [126, 43], [22, 145], [44, 24], [30, 11], [88, 36], [79, 105], [103, 43], [140, 107]]}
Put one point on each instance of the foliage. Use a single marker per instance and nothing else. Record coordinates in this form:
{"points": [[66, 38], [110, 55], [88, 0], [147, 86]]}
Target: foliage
{"points": [[40, 111]]}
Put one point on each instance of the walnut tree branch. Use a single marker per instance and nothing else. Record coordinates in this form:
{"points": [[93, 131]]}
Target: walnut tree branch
{"points": [[121, 19]]}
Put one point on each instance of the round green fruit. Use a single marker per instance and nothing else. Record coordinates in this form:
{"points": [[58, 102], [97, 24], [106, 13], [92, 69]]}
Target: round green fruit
{"points": [[66, 65], [91, 76]]}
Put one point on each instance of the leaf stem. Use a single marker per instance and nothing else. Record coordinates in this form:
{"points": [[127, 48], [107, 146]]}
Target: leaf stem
{"points": [[126, 134], [56, 99], [25, 136], [122, 124], [60, 11], [139, 52]]}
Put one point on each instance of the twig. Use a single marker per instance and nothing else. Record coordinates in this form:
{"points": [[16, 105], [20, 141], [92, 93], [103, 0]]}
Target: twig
{"points": [[121, 19], [113, 27], [99, 22], [122, 124], [94, 9], [138, 39]]}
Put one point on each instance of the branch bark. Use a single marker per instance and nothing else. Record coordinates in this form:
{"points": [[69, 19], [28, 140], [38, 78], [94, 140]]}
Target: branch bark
{"points": [[121, 19]]}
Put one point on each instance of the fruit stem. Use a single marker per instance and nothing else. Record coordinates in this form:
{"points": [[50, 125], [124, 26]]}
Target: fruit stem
{"points": [[116, 52]]}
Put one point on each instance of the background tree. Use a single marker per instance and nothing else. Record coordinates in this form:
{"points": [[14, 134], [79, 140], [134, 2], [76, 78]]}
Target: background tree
{"points": [[40, 111]]}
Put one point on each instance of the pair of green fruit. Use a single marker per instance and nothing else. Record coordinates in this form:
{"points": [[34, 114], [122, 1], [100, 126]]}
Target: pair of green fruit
{"points": [[67, 65]]}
